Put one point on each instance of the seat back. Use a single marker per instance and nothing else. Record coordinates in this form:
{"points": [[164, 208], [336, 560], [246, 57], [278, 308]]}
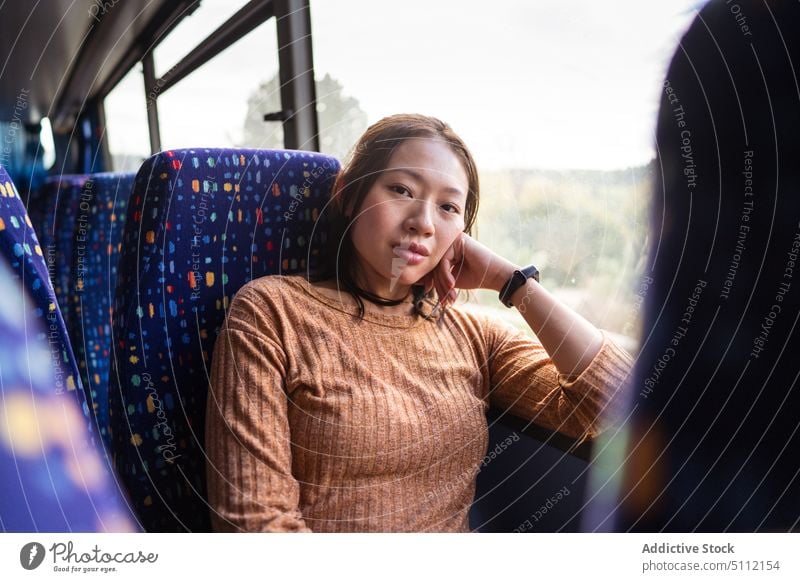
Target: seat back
{"points": [[35, 207], [47, 204], [20, 246], [69, 199], [528, 481], [712, 438], [200, 224], [53, 477], [95, 242]]}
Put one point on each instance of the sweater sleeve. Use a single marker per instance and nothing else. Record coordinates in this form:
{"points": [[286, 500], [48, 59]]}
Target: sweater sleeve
{"points": [[248, 441], [525, 382]]}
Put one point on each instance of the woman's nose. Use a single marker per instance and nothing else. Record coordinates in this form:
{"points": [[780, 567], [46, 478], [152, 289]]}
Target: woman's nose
{"points": [[420, 219]]}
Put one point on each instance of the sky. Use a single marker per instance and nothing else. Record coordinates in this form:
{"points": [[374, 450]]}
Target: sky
{"points": [[556, 84]]}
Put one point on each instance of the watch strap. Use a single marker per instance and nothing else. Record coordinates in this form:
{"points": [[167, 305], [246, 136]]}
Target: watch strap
{"points": [[516, 281]]}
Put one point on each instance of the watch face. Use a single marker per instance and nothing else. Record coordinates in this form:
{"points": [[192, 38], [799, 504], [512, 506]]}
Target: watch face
{"points": [[531, 271]]}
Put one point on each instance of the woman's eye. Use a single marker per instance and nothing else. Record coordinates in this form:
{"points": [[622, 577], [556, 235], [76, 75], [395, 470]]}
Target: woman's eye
{"points": [[400, 190], [452, 208]]}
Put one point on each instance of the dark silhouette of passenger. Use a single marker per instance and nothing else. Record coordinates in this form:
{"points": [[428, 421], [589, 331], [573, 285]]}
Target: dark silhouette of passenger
{"points": [[714, 437]]}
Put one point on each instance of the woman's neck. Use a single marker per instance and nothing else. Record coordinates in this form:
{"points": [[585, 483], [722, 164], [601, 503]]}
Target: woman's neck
{"points": [[381, 291], [338, 291]]}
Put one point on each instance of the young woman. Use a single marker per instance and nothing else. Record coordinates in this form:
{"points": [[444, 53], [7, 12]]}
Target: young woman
{"points": [[354, 399]]}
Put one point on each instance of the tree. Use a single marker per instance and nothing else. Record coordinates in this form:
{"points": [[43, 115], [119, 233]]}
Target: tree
{"points": [[341, 119]]}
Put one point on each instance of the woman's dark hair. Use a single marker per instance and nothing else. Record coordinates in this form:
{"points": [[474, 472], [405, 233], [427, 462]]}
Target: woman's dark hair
{"points": [[370, 157]]}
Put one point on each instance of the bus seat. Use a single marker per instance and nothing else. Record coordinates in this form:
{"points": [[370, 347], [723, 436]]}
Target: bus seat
{"points": [[97, 236], [51, 476], [52, 210], [73, 201], [200, 224], [35, 207], [528, 482], [50, 202], [712, 441], [20, 247]]}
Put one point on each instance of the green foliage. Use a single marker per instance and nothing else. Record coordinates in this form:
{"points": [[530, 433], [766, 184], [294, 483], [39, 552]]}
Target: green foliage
{"points": [[585, 230]]}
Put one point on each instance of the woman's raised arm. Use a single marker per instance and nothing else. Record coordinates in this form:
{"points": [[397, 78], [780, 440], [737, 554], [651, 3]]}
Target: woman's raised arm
{"points": [[570, 341], [569, 380]]}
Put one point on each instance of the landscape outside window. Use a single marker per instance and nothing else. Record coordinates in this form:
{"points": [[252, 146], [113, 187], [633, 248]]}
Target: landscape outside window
{"points": [[557, 101]]}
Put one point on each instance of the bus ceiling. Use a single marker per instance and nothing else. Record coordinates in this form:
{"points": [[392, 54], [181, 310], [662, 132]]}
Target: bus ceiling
{"points": [[63, 57]]}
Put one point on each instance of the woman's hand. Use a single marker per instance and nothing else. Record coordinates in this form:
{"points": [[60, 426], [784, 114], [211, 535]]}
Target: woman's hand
{"points": [[570, 340], [467, 264]]}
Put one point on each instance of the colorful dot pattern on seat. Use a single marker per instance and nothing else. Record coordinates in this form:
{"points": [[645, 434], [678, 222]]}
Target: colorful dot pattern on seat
{"points": [[20, 246], [35, 206], [45, 207], [73, 203], [200, 224], [52, 477], [96, 240]]}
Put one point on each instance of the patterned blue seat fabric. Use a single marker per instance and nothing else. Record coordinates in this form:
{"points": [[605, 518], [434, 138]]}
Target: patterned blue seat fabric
{"points": [[96, 240], [35, 206], [200, 224], [52, 477], [69, 200], [42, 209], [20, 246], [47, 207]]}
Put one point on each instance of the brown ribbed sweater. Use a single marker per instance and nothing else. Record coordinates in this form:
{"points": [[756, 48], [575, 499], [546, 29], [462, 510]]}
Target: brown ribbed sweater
{"points": [[318, 421]]}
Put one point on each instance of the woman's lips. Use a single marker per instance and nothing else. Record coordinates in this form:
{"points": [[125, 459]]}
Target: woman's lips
{"points": [[411, 258]]}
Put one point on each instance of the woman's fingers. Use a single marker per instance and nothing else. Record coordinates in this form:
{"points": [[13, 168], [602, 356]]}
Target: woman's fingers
{"points": [[446, 286], [442, 287], [443, 277]]}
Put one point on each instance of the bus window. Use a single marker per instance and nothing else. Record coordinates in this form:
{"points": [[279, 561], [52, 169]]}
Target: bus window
{"points": [[341, 118], [203, 21], [557, 109], [48, 146], [126, 120], [209, 106]]}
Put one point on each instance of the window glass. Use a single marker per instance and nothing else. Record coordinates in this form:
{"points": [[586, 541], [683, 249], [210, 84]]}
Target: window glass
{"points": [[223, 103], [209, 107], [192, 30], [126, 122], [48, 152], [558, 103]]}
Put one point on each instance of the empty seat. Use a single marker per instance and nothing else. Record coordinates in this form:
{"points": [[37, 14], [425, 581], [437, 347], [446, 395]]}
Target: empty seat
{"points": [[53, 477], [200, 224], [54, 207], [35, 206], [20, 246], [95, 251], [71, 204]]}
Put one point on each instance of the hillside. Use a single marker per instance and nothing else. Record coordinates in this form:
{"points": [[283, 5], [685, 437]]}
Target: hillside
{"points": [[585, 230]]}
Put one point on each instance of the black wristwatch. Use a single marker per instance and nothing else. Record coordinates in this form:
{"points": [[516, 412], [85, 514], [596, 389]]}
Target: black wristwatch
{"points": [[516, 281]]}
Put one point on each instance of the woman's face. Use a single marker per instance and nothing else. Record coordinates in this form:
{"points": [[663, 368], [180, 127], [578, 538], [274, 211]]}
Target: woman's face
{"points": [[416, 206]]}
